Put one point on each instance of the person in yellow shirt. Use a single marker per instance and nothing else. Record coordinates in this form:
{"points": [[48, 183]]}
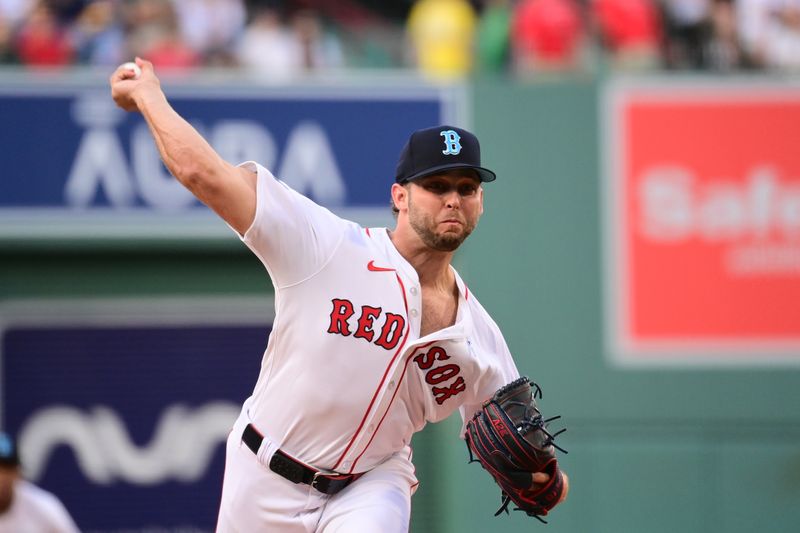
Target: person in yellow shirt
{"points": [[441, 35]]}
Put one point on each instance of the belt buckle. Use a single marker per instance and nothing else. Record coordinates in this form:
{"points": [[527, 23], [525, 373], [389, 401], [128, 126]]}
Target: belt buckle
{"points": [[315, 479]]}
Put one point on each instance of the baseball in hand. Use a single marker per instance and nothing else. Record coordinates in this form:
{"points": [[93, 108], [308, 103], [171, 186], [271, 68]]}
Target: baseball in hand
{"points": [[130, 65]]}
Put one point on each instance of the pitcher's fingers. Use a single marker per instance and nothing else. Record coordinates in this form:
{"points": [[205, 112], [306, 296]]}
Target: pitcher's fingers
{"points": [[115, 76], [540, 477], [121, 74], [144, 64]]}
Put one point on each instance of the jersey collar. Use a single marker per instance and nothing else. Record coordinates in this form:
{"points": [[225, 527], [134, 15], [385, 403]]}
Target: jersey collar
{"points": [[381, 236]]}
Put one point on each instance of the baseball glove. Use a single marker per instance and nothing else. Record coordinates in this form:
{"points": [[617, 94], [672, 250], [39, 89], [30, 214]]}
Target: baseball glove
{"points": [[509, 437]]}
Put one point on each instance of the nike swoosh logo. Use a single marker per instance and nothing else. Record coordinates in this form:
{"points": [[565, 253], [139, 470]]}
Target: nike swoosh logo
{"points": [[372, 268]]}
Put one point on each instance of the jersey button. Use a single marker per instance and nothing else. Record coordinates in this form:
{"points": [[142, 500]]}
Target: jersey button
{"points": [[414, 312], [413, 291], [371, 428], [391, 385]]}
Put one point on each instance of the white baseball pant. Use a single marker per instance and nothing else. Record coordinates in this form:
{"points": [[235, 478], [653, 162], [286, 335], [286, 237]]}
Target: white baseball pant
{"points": [[254, 498]]}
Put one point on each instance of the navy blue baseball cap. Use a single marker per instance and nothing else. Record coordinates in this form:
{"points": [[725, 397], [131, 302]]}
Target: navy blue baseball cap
{"points": [[8, 451], [433, 150]]}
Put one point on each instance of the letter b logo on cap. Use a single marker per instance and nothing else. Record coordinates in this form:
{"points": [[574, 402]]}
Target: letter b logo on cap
{"points": [[452, 144]]}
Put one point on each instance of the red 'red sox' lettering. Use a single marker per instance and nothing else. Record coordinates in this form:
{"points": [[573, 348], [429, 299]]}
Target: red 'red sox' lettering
{"points": [[426, 360], [391, 330], [342, 310], [365, 321], [439, 374]]}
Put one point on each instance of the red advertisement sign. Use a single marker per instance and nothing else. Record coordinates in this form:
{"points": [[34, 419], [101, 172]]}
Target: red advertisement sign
{"points": [[703, 212]]}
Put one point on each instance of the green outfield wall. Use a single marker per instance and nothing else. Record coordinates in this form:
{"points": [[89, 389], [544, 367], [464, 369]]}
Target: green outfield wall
{"points": [[711, 449], [688, 448]]}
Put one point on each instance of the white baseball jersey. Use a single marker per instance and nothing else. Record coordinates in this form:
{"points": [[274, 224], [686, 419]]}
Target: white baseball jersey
{"points": [[346, 378], [35, 510]]}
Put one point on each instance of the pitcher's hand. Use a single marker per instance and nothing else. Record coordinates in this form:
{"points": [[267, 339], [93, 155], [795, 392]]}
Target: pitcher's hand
{"points": [[127, 90], [540, 479]]}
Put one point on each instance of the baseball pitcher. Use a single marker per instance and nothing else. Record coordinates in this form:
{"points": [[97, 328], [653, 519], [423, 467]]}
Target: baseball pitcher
{"points": [[375, 335]]}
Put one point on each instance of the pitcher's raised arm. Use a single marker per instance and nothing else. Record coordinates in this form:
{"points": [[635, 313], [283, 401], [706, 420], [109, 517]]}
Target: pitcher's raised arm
{"points": [[229, 190]]}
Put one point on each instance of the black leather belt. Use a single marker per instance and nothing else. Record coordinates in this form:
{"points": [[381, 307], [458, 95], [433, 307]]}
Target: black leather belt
{"points": [[295, 471]]}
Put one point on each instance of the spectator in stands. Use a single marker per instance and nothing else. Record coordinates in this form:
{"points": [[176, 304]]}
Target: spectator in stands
{"points": [[441, 34], [630, 30], [155, 35], [24, 507], [210, 27], [15, 11], [99, 36], [767, 30], [281, 53], [753, 18], [319, 49], [723, 52], [168, 52], [7, 51], [66, 11], [41, 41], [782, 37], [267, 47], [688, 28], [546, 35], [493, 50]]}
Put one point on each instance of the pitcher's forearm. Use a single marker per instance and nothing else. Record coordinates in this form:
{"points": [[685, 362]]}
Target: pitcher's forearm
{"points": [[187, 155], [228, 190]]}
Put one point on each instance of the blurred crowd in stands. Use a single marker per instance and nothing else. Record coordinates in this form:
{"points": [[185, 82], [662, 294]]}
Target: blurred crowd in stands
{"points": [[441, 38]]}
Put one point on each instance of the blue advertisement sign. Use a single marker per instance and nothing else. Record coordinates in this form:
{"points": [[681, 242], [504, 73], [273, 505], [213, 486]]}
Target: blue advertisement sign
{"points": [[71, 155], [126, 423]]}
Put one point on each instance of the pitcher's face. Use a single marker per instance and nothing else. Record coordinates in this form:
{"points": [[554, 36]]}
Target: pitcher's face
{"points": [[443, 209]]}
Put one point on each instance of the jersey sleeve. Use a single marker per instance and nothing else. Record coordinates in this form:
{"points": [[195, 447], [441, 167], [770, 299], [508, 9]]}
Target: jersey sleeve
{"points": [[60, 518], [489, 382], [50, 513], [291, 235]]}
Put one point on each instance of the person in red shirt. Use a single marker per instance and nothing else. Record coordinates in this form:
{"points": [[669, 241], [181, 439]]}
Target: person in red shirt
{"points": [[41, 42], [546, 35], [155, 33], [631, 31], [169, 52]]}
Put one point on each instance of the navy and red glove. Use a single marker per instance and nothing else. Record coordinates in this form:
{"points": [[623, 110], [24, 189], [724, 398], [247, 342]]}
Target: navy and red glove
{"points": [[510, 439]]}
